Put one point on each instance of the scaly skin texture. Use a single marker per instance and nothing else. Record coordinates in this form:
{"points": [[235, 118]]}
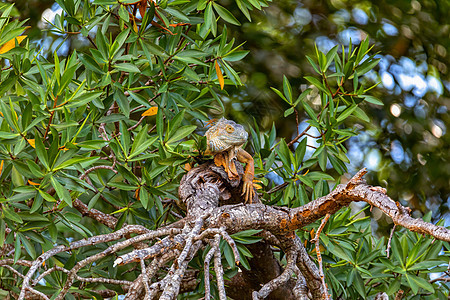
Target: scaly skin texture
{"points": [[224, 140]]}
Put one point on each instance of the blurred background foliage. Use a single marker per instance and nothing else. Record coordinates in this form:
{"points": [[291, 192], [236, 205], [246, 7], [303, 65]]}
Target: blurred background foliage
{"points": [[406, 145]]}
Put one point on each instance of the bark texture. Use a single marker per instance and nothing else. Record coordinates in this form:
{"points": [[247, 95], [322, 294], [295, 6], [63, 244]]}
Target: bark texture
{"points": [[215, 210]]}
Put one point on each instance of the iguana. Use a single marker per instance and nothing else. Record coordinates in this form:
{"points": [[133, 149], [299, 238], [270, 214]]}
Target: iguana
{"points": [[224, 140]]}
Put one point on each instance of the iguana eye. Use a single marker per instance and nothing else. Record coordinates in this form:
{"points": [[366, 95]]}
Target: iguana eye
{"points": [[229, 129]]}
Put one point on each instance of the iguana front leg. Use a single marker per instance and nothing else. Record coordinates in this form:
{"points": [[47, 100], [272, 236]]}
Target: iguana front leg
{"points": [[225, 160], [249, 174]]}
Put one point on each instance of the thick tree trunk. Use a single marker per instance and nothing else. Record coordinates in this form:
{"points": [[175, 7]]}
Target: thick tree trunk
{"points": [[264, 266]]}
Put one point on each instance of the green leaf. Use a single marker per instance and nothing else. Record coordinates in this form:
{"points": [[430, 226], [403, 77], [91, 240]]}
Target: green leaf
{"points": [[288, 111], [11, 214], [316, 175], [313, 64], [330, 56], [346, 113], [300, 151], [17, 249], [421, 282], [127, 67], [358, 283], [141, 147], [8, 135], [29, 247], [339, 252], [355, 81], [367, 65], [61, 191], [396, 249], [285, 154], [76, 160], [426, 265], [225, 14], [123, 186], [153, 49], [123, 102], [67, 78], [372, 99], [46, 196], [90, 63], [412, 283], [181, 133], [309, 111], [287, 89], [302, 96], [323, 159], [360, 114], [41, 152], [280, 94], [83, 99], [314, 81], [210, 19], [235, 55], [123, 13], [2, 232], [178, 14]]}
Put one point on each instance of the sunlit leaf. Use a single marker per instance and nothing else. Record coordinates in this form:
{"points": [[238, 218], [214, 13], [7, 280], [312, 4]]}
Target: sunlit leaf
{"points": [[150, 112], [33, 183], [219, 74], [31, 142], [11, 44]]}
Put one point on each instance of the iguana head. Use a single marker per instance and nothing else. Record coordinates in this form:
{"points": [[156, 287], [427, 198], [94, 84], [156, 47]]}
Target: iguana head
{"points": [[225, 135]]}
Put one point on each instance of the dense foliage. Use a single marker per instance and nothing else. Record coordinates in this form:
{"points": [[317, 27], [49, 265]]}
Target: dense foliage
{"points": [[113, 124], [405, 144]]}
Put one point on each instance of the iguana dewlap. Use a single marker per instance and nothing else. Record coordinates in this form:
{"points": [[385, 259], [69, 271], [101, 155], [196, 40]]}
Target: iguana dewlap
{"points": [[224, 140]]}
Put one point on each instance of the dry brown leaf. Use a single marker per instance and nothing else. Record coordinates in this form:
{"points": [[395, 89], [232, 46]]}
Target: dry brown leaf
{"points": [[142, 7]]}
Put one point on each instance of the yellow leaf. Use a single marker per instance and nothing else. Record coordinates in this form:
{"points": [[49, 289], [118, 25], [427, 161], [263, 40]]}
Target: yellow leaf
{"points": [[219, 74], [135, 26], [150, 112], [31, 142], [136, 193], [11, 44], [1, 167], [33, 183], [257, 186]]}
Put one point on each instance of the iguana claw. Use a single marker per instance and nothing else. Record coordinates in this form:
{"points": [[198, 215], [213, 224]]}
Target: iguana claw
{"points": [[247, 189]]}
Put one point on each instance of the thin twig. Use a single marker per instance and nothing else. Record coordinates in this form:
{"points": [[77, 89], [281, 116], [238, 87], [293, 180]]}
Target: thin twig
{"points": [[96, 168], [208, 258], [291, 258], [219, 270], [389, 241], [319, 256], [145, 279], [137, 124]]}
